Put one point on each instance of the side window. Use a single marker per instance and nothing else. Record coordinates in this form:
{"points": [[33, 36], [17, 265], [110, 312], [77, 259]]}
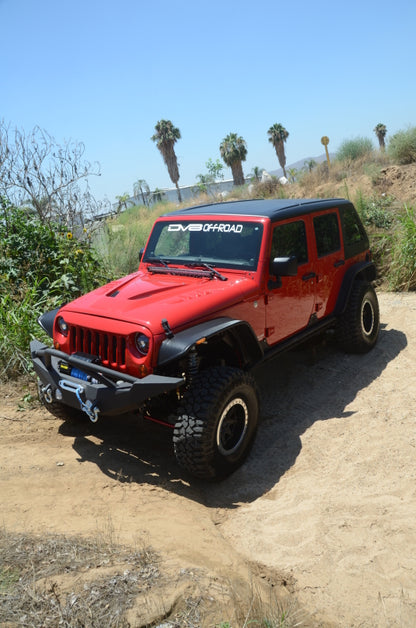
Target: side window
{"points": [[355, 237], [327, 234], [290, 239]]}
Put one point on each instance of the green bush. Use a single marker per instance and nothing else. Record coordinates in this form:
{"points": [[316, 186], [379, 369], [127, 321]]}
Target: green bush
{"points": [[403, 264], [45, 256], [374, 211], [402, 146], [353, 149], [19, 311], [41, 267]]}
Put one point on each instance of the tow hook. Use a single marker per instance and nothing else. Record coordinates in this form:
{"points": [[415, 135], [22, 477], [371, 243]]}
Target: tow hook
{"points": [[46, 393], [90, 409]]}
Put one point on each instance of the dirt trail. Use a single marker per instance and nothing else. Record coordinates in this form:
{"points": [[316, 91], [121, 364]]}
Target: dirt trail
{"points": [[326, 500]]}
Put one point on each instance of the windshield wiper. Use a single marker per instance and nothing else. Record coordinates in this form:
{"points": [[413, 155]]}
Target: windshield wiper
{"points": [[154, 259], [214, 272]]}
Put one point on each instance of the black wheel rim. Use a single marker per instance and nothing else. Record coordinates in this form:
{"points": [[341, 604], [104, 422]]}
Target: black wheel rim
{"points": [[232, 427]]}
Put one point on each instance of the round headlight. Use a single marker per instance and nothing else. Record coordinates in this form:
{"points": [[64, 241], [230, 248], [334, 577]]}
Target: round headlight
{"points": [[142, 344], [62, 325]]}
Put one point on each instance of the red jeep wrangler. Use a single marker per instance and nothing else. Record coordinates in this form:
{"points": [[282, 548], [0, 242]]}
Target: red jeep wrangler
{"points": [[219, 289]]}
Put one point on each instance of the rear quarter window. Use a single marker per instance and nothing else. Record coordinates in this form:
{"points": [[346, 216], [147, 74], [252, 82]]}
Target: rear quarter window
{"points": [[327, 234], [355, 236]]}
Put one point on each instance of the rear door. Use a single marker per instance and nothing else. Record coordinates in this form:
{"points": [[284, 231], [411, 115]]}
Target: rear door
{"points": [[290, 301], [330, 260]]}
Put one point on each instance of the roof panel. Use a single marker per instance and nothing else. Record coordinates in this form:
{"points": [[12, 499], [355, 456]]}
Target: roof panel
{"points": [[270, 208]]}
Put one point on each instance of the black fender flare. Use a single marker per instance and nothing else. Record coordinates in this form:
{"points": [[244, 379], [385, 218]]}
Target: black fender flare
{"points": [[241, 332], [47, 319], [362, 270]]}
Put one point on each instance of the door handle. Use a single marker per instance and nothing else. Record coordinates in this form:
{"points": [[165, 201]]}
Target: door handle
{"points": [[339, 262], [308, 276]]}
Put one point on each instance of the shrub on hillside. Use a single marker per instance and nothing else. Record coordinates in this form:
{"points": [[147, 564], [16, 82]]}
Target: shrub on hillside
{"points": [[353, 149], [402, 146], [403, 265], [41, 267], [375, 211], [44, 256], [270, 188], [19, 310]]}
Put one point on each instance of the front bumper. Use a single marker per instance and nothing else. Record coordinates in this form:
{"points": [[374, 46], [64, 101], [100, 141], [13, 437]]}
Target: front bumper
{"points": [[109, 393]]}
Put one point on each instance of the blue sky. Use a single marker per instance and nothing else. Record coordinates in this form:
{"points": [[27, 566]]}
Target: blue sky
{"points": [[105, 72]]}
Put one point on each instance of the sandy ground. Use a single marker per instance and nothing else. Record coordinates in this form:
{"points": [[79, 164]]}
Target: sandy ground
{"points": [[324, 508]]}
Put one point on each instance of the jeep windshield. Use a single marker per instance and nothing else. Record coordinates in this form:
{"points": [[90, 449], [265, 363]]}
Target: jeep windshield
{"points": [[225, 244]]}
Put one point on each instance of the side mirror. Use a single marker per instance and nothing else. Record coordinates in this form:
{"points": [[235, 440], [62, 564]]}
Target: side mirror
{"points": [[284, 266], [141, 252]]}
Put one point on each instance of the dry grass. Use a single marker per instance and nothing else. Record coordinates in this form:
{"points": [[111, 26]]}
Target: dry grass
{"points": [[72, 582], [56, 580], [329, 181], [270, 613]]}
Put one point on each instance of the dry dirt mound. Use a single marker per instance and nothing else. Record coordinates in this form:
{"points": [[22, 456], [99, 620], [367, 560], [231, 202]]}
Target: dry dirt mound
{"points": [[324, 507], [399, 181]]}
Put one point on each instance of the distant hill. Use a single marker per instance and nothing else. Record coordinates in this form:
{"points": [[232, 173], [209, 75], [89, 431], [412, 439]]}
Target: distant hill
{"points": [[300, 164]]}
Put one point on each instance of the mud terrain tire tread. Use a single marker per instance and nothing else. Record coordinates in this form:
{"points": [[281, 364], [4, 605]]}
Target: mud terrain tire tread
{"points": [[195, 434], [358, 327]]}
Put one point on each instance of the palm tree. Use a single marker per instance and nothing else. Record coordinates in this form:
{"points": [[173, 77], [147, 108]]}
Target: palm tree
{"points": [[165, 137], [122, 201], [292, 172], [233, 151], [310, 164], [278, 137], [380, 130], [256, 173], [141, 188]]}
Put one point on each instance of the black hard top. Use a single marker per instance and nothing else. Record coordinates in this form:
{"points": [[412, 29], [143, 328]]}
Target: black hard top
{"points": [[275, 209]]}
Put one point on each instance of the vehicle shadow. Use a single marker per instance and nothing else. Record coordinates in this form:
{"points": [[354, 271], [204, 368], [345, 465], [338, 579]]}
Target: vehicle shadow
{"points": [[129, 450], [314, 383]]}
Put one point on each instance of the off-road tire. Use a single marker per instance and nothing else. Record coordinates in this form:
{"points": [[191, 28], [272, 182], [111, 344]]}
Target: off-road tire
{"points": [[358, 327], [217, 423], [60, 410]]}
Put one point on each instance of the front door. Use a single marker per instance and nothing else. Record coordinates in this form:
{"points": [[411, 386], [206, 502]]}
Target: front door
{"points": [[290, 301]]}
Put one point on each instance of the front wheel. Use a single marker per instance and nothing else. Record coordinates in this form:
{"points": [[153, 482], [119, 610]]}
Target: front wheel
{"points": [[217, 423], [358, 327]]}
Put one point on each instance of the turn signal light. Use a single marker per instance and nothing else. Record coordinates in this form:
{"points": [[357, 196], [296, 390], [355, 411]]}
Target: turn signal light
{"points": [[143, 370]]}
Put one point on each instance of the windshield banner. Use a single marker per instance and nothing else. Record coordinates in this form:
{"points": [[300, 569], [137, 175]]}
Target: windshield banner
{"points": [[221, 227]]}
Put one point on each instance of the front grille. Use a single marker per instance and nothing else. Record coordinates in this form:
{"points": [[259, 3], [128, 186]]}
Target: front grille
{"points": [[110, 348]]}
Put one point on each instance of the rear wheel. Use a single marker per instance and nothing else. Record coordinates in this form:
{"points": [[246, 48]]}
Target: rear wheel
{"points": [[217, 423], [358, 327]]}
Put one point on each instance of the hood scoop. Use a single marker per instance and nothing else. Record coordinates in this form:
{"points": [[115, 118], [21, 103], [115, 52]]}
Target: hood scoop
{"points": [[155, 290]]}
